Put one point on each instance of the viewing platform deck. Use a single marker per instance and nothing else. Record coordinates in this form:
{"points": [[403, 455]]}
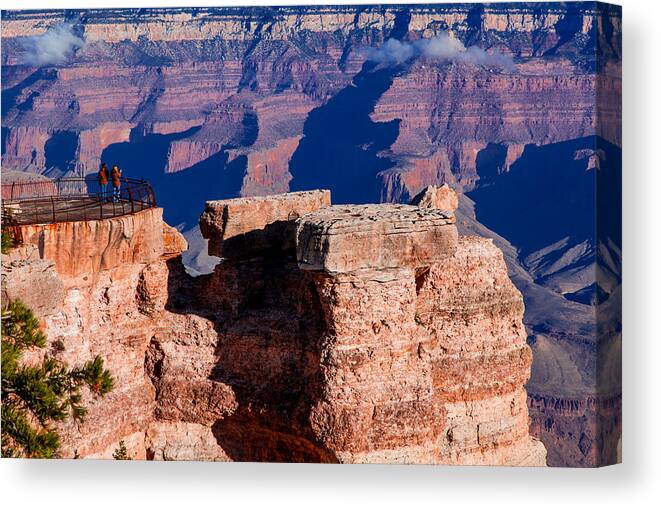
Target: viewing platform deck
{"points": [[71, 200]]}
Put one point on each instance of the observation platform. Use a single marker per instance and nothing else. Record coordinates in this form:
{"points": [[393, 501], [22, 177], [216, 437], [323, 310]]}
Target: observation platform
{"points": [[71, 200]]}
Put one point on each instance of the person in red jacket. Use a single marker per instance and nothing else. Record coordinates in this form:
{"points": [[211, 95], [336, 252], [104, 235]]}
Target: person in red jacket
{"points": [[103, 181], [116, 178]]}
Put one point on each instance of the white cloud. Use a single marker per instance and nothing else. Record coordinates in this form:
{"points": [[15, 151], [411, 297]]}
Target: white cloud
{"points": [[442, 47], [54, 47]]}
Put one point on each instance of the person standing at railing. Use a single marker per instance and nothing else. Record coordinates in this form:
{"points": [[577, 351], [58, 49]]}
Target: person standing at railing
{"points": [[116, 177], [103, 181]]}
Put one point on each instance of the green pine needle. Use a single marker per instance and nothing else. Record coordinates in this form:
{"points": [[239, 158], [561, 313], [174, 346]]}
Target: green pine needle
{"points": [[34, 396]]}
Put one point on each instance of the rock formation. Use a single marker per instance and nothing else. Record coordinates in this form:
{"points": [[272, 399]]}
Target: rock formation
{"points": [[103, 280], [248, 226], [367, 334], [106, 244], [443, 198], [165, 77]]}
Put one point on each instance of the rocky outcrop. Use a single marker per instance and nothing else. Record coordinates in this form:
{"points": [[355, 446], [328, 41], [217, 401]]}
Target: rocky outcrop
{"points": [[370, 334], [220, 99], [97, 288], [386, 236], [245, 226], [173, 242], [575, 364], [267, 170], [480, 360], [356, 357], [443, 198]]}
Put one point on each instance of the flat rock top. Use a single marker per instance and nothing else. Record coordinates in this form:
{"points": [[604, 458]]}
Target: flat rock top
{"points": [[397, 217], [343, 239], [300, 196]]}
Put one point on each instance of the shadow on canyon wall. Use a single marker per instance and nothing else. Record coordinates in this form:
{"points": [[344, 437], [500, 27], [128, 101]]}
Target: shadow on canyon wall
{"points": [[340, 147], [558, 198], [547, 205], [339, 150], [181, 194], [60, 150], [270, 325], [546, 196]]}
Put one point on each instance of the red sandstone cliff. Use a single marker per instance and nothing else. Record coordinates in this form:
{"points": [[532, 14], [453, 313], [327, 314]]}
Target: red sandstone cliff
{"points": [[349, 334]]}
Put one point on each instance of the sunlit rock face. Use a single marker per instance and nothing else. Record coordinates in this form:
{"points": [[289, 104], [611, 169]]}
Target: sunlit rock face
{"points": [[86, 248], [101, 285], [241, 83], [349, 343], [443, 198], [221, 103], [370, 334]]}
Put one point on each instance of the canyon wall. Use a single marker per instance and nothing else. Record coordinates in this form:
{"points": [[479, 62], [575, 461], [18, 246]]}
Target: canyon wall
{"points": [[193, 79], [364, 334], [104, 279]]}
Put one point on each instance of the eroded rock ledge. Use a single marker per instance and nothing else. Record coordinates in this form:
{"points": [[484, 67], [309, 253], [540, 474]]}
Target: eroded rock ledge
{"points": [[355, 334]]}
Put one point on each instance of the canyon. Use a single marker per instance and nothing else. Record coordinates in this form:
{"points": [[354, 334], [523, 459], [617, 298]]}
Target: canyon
{"points": [[334, 334], [212, 104]]}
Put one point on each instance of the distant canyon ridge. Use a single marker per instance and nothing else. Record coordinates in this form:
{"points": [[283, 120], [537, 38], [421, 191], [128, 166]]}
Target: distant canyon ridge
{"points": [[516, 106]]}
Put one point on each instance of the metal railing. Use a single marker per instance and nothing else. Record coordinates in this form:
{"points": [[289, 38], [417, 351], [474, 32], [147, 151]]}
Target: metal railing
{"points": [[72, 199]]}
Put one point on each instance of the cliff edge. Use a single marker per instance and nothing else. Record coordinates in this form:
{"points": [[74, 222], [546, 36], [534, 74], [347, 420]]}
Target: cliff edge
{"points": [[351, 334]]}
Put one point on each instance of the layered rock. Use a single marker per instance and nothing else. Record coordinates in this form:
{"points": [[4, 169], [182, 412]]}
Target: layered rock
{"points": [[203, 23], [360, 361], [246, 226], [584, 429], [165, 72], [97, 287], [386, 237], [370, 334], [267, 170], [24, 148], [436, 108], [480, 360], [189, 86], [92, 142], [576, 342], [88, 248], [173, 242]]}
